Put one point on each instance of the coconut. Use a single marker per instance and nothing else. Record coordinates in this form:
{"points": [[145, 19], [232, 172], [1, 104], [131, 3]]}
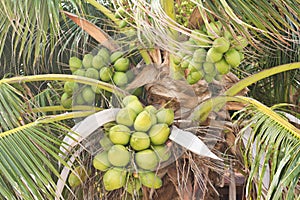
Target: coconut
{"points": [[79, 72], [165, 115], [133, 185], [123, 23], [151, 109], [115, 56], [199, 55], [190, 79], [227, 34], [104, 53], [87, 61], [120, 78], [106, 74], [176, 58], [143, 121], [208, 67], [88, 95], [135, 105], [92, 73], [232, 57], [97, 89], [119, 134], [146, 159], [150, 180], [70, 87], [185, 63], [159, 134], [77, 176], [129, 99], [66, 100], [114, 178], [200, 38], [162, 152], [130, 75], [74, 63], [213, 55], [118, 155], [194, 66], [208, 78], [222, 67], [239, 42], [122, 64], [126, 116], [101, 161], [120, 12], [79, 99], [98, 62], [221, 44], [139, 141], [105, 143], [214, 29]]}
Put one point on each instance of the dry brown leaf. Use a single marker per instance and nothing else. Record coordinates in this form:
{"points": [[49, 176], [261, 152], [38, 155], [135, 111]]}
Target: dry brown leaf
{"points": [[156, 56], [93, 30], [148, 75], [195, 20]]}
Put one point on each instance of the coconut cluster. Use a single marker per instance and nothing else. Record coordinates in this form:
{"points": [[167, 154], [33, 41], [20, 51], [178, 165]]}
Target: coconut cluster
{"points": [[219, 52], [105, 66], [134, 146]]}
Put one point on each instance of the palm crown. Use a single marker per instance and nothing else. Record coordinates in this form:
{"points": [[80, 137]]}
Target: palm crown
{"points": [[34, 124]]}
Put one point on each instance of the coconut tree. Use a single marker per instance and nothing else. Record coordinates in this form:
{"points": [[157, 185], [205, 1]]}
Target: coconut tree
{"points": [[39, 148]]}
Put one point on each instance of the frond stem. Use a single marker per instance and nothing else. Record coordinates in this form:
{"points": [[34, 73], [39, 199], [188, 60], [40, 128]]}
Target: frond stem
{"points": [[65, 77], [47, 120]]}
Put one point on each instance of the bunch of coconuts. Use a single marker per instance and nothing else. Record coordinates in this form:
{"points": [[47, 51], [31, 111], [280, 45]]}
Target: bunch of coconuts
{"points": [[105, 66], [134, 146], [219, 51]]}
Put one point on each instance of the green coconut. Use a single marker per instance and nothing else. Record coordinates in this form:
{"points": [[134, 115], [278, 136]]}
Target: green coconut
{"points": [[232, 57], [114, 178], [126, 116], [221, 44], [139, 141], [122, 64], [119, 134], [118, 155], [87, 60], [150, 180], [165, 115], [213, 55], [101, 161], [159, 134], [143, 121], [146, 159]]}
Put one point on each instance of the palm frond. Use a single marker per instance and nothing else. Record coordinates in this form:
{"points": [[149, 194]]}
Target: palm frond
{"points": [[26, 169], [28, 23], [36, 37], [275, 158], [30, 146], [264, 24]]}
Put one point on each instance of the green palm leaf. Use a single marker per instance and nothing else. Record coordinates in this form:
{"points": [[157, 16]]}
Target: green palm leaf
{"points": [[29, 150], [277, 143]]}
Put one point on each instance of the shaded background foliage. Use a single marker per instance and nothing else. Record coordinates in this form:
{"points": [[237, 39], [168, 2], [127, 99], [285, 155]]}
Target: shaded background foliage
{"points": [[36, 38]]}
